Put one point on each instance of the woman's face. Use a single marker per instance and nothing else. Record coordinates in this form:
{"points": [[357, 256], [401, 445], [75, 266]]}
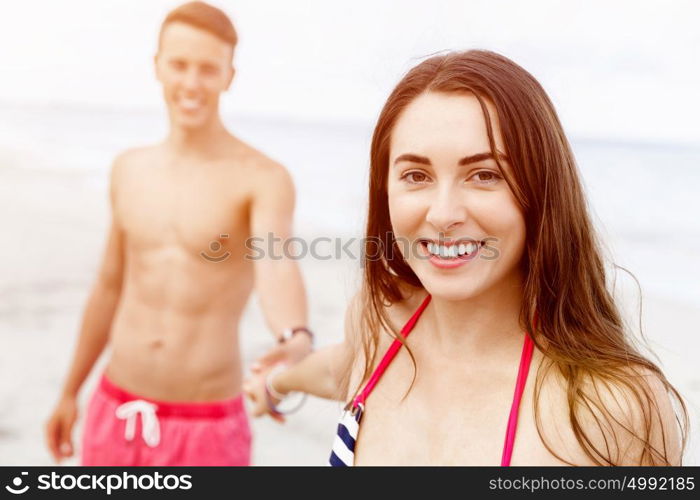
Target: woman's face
{"points": [[455, 218]]}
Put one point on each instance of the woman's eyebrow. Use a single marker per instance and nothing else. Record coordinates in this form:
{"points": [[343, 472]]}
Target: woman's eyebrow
{"points": [[413, 158], [480, 157]]}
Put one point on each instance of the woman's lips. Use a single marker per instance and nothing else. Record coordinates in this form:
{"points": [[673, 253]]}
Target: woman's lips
{"points": [[450, 262]]}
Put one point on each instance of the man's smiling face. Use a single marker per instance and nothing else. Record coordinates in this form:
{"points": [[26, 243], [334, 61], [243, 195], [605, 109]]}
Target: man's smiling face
{"points": [[194, 68]]}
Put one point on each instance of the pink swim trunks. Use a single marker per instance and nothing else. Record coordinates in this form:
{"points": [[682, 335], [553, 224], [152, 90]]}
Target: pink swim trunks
{"points": [[123, 429]]}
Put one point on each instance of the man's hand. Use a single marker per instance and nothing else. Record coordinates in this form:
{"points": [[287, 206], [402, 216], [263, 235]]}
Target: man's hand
{"points": [[289, 352], [60, 426]]}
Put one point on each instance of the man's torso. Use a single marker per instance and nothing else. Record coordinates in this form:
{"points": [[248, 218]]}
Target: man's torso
{"points": [[186, 279]]}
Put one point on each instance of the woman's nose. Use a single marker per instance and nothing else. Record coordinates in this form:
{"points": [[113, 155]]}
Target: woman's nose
{"points": [[447, 211]]}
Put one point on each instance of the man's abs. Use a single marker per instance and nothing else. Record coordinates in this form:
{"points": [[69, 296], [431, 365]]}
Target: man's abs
{"points": [[175, 332]]}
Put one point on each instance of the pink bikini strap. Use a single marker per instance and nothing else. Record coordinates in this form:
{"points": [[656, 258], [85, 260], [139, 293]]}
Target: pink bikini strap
{"points": [[523, 370], [390, 354]]}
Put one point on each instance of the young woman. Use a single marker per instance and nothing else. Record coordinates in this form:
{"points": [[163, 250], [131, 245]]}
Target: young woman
{"points": [[479, 246]]}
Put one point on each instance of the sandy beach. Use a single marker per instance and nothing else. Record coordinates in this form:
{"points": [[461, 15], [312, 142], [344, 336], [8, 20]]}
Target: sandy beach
{"points": [[53, 225]]}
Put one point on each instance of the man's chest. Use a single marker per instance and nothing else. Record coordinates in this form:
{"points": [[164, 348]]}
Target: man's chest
{"points": [[196, 211]]}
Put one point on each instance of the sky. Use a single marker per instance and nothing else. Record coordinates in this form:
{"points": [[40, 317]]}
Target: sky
{"points": [[622, 70]]}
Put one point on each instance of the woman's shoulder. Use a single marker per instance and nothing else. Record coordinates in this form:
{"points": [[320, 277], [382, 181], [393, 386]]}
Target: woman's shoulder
{"points": [[400, 311], [625, 417], [396, 313]]}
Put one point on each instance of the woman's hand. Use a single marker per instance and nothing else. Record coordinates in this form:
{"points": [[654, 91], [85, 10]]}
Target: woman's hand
{"points": [[254, 386]]}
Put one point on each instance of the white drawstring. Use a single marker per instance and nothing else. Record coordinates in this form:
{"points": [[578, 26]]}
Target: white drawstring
{"points": [[150, 428]]}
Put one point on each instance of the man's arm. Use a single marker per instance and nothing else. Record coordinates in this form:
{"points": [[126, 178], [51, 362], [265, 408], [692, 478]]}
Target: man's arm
{"points": [[94, 333], [278, 280]]}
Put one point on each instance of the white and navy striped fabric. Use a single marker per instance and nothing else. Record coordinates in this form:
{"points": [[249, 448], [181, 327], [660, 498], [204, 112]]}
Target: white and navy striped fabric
{"points": [[343, 453]]}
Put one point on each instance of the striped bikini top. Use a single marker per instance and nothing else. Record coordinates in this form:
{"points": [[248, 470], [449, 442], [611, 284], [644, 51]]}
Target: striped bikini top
{"points": [[343, 453]]}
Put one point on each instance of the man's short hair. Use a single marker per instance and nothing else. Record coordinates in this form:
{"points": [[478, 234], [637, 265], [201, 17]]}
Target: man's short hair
{"points": [[205, 17]]}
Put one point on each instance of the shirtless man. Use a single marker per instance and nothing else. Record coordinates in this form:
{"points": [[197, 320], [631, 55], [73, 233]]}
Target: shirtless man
{"points": [[174, 278]]}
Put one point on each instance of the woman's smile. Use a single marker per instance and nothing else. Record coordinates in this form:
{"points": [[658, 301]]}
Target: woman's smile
{"points": [[450, 254]]}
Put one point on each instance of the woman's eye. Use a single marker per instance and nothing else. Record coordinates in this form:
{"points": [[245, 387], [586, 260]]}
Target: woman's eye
{"points": [[486, 177], [415, 177]]}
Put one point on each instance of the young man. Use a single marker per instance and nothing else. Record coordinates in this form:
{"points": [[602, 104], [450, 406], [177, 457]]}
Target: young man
{"points": [[175, 278]]}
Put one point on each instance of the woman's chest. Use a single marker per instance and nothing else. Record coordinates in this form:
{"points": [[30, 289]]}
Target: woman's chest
{"points": [[412, 432], [447, 421]]}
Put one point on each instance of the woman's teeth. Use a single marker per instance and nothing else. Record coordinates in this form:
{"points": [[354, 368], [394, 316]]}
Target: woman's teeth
{"points": [[452, 251]]}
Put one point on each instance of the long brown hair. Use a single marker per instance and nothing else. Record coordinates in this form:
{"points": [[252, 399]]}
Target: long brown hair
{"points": [[579, 328]]}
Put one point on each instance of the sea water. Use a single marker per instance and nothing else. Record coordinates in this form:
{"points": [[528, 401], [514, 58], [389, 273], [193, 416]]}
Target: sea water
{"points": [[644, 198]]}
